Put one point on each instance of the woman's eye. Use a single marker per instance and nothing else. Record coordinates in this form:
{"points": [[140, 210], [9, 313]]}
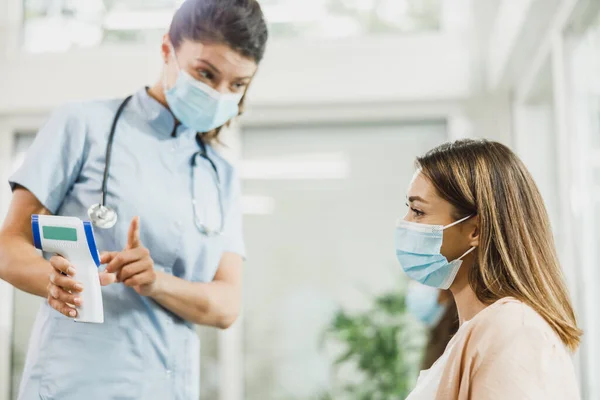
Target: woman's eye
{"points": [[416, 212]]}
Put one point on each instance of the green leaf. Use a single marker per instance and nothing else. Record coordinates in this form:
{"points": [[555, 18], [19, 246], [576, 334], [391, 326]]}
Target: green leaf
{"points": [[383, 343]]}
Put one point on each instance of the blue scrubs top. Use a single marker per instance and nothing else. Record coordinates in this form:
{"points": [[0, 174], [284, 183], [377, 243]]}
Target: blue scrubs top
{"points": [[142, 351]]}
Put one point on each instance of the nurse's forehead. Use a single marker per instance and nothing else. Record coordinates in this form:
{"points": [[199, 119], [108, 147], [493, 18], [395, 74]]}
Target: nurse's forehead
{"points": [[217, 55]]}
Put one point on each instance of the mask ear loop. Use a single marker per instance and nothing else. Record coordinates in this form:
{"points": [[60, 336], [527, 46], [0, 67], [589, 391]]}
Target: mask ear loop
{"points": [[458, 222], [467, 252], [450, 279]]}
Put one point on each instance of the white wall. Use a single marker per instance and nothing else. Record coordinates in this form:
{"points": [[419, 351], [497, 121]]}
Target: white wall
{"points": [[362, 70]]}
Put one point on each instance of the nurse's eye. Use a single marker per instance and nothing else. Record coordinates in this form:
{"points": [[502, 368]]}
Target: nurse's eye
{"points": [[238, 87], [206, 75]]}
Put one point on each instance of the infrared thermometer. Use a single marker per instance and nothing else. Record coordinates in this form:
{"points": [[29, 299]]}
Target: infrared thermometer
{"points": [[74, 240]]}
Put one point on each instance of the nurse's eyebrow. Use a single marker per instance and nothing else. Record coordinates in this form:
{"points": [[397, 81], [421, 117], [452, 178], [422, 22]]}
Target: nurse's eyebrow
{"points": [[215, 69], [412, 199]]}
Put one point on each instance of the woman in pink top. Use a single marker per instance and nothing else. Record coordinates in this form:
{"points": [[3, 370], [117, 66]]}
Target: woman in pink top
{"points": [[478, 226]]}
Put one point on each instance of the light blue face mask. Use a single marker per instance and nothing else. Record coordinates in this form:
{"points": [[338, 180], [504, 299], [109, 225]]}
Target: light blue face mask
{"points": [[418, 249], [422, 302], [197, 105]]}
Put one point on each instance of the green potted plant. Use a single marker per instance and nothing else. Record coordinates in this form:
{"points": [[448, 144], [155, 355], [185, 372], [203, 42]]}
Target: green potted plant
{"points": [[382, 345]]}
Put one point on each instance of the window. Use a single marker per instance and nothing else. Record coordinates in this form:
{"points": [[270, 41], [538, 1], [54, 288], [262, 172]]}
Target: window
{"points": [[62, 25], [320, 236], [584, 154], [351, 17]]}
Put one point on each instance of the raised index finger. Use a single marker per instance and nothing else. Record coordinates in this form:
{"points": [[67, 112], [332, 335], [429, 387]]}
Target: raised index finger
{"points": [[133, 236]]}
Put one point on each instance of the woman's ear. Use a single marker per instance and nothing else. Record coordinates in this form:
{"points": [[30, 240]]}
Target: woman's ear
{"points": [[473, 226]]}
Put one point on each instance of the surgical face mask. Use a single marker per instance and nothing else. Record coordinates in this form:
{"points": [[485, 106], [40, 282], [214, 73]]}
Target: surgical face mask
{"points": [[197, 105], [422, 302], [418, 249]]}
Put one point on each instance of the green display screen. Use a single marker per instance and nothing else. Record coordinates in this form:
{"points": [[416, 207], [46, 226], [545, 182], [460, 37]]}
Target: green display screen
{"points": [[60, 233]]}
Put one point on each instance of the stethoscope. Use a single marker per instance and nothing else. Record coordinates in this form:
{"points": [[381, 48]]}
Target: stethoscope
{"points": [[105, 217]]}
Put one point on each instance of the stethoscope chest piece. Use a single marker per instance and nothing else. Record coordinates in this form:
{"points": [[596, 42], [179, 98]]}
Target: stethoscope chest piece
{"points": [[101, 216]]}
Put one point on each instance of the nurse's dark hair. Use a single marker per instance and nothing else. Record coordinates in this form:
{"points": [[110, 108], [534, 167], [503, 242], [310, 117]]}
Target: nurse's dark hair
{"points": [[239, 24], [516, 256]]}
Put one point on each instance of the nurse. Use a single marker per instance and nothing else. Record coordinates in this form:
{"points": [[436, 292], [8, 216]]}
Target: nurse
{"points": [[174, 241]]}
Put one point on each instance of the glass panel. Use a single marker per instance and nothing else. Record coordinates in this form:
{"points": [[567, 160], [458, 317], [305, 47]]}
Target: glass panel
{"points": [[60, 25], [327, 18], [585, 156], [321, 207]]}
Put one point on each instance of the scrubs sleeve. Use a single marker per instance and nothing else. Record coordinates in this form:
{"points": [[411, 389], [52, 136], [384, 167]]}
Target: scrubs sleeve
{"points": [[233, 231], [55, 158]]}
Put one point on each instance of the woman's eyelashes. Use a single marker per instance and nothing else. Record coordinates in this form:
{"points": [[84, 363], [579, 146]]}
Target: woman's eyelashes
{"points": [[416, 212]]}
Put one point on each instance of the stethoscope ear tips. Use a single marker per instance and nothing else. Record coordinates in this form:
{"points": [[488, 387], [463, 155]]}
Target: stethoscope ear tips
{"points": [[102, 216]]}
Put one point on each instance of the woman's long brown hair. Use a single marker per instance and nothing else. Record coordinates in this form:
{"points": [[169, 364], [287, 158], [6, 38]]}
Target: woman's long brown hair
{"points": [[516, 255]]}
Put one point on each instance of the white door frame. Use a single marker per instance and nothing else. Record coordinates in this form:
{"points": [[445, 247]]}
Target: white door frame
{"points": [[6, 290], [9, 127]]}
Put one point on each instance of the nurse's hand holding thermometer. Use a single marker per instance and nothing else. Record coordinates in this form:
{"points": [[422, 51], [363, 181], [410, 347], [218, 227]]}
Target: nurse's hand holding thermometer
{"points": [[133, 267]]}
